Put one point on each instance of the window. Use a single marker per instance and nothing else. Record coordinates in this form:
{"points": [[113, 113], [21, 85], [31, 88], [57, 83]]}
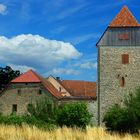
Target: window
{"points": [[14, 108], [40, 92], [125, 59], [19, 91], [124, 36], [60, 89], [122, 82]]}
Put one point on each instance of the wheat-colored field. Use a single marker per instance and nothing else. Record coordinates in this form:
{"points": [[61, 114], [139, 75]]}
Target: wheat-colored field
{"points": [[28, 133]]}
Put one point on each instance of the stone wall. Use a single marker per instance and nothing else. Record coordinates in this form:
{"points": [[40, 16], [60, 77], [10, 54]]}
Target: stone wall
{"points": [[29, 93], [111, 70]]}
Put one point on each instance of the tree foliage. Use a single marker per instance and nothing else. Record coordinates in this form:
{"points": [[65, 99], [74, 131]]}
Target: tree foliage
{"points": [[119, 119], [73, 114], [6, 75], [126, 118]]}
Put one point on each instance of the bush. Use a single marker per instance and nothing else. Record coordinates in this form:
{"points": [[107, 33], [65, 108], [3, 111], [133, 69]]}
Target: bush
{"points": [[119, 119], [126, 118], [19, 120], [44, 109], [73, 114], [133, 106]]}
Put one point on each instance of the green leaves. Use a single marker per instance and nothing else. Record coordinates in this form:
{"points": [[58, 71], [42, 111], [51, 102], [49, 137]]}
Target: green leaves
{"points": [[6, 75], [126, 118], [73, 114]]}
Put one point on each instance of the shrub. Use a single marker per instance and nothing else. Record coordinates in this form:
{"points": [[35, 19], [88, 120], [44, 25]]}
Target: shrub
{"points": [[43, 109], [133, 106], [119, 119], [126, 118], [30, 120], [73, 114]]}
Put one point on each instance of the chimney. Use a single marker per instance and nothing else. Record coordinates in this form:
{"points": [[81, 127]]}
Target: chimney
{"points": [[57, 78]]}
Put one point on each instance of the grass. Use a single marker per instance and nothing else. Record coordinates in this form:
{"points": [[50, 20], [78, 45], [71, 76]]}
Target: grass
{"points": [[32, 133]]}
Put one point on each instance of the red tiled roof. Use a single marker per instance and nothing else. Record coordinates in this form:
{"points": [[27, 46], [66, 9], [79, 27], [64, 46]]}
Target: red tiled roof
{"points": [[28, 76], [77, 89], [80, 88], [32, 77], [124, 19], [50, 87]]}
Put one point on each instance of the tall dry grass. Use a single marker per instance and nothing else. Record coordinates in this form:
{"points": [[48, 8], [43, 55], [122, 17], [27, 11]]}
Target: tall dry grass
{"points": [[28, 133]]}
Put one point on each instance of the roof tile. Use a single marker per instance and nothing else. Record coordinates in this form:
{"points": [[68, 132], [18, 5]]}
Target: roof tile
{"points": [[124, 19], [28, 76], [80, 88], [32, 77]]}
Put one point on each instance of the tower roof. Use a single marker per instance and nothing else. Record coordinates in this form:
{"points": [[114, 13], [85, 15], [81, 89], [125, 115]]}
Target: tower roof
{"points": [[124, 19], [28, 77]]}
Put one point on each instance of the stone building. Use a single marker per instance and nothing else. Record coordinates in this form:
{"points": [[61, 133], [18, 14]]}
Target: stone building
{"points": [[30, 86], [118, 74], [118, 61]]}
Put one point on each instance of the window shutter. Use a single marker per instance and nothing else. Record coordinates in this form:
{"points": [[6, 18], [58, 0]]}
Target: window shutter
{"points": [[125, 59]]}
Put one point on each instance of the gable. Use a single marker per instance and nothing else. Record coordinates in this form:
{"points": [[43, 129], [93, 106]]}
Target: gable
{"points": [[120, 37], [124, 30]]}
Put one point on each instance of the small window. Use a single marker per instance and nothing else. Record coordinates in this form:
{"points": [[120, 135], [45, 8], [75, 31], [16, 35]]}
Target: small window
{"points": [[19, 91], [125, 59], [14, 108], [40, 92], [60, 89], [124, 36], [122, 82]]}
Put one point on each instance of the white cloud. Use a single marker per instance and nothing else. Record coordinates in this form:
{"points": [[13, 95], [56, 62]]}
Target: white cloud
{"points": [[35, 51], [3, 9], [22, 68], [83, 38], [89, 65], [63, 71]]}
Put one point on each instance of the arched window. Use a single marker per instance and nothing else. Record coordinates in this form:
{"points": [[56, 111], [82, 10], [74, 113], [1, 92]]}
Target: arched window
{"points": [[122, 82]]}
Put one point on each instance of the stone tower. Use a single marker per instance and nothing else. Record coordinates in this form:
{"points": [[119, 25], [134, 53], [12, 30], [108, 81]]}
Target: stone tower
{"points": [[118, 61]]}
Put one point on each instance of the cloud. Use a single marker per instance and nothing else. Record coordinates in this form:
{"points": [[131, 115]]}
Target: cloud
{"points": [[35, 51], [83, 38], [3, 9], [22, 68], [89, 65], [60, 71], [58, 30]]}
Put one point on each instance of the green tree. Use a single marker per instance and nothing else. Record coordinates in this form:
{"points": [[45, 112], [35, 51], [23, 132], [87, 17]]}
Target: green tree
{"points": [[126, 118], [119, 119], [132, 103], [73, 114], [6, 75]]}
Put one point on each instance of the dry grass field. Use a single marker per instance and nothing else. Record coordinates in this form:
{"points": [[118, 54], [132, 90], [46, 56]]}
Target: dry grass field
{"points": [[28, 133]]}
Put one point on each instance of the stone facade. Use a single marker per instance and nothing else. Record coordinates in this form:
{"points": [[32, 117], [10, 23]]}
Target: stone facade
{"points": [[20, 94], [111, 70]]}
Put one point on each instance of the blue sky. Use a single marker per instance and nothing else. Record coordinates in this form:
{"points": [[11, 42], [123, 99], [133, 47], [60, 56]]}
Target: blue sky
{"points": [[56, 37]]}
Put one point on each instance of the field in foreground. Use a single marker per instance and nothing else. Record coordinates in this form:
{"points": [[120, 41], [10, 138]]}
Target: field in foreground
{"points": [[28, 133]]}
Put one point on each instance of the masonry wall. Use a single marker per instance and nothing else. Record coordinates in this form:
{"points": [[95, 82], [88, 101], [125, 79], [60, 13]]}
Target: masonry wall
{"points": [[29, 93], [110, 71]]}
